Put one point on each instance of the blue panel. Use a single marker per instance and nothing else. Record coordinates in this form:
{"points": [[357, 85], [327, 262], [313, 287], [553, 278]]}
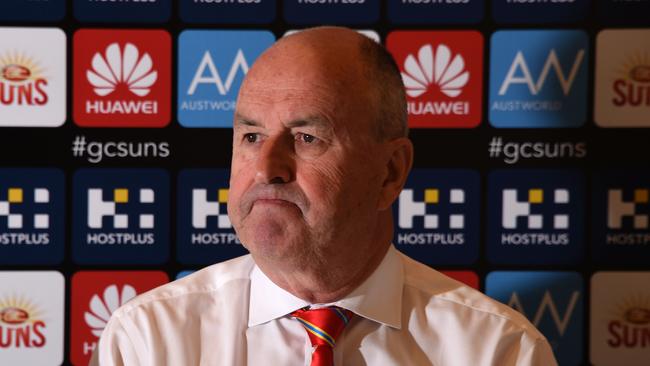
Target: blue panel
{"points": [[535, 217], [228, 11], [204, 234], [435, 11], [30, 10], [620, 217], [538, 78], [552, 301], [144, 11], [32, 215], [111, 230], [539, 11], [331, 11], [211, 67], [437, 216]]}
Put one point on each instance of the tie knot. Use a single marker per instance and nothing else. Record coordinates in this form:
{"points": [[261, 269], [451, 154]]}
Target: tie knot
{"points": [[323, 325]]}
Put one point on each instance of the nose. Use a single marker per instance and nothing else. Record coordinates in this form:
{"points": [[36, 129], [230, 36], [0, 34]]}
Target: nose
{"points": [[275, 163]]}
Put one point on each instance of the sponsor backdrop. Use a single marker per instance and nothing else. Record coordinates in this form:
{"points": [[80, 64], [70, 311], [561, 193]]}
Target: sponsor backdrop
{"points": [[531, 183]]}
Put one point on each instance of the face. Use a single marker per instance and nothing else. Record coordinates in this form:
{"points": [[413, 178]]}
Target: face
{"points": [[306, 168]]}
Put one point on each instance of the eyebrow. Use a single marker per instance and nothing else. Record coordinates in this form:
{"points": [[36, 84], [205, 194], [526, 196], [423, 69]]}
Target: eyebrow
{"points": [[315, 121]]}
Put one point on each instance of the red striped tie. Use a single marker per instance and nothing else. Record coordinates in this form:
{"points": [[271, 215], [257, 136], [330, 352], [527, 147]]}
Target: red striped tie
{"points": [[323, 327]]}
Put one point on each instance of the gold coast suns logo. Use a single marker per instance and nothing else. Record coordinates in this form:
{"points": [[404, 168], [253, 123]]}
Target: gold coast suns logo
{"points": [[629, 326], [21, 324], [22, 81]]}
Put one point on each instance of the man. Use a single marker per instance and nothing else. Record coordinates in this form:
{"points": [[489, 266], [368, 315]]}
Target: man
{"points": [[319, 155]]}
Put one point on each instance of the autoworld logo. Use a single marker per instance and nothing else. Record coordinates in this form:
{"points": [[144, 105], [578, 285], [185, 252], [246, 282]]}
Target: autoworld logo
{"points": [[32, 77], [536, 216], [622, 85], [442, 75], [539, 78], [552, 301], [96, 295], [123, 74], [22, 324], [438, 208], [212, 65]]}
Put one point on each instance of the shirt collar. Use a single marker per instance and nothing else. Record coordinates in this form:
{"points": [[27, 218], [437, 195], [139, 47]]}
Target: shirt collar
{"points": [[378, 298]]}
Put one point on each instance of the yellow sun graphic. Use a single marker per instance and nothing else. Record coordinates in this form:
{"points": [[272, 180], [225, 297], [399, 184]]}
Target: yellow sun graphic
{"points": [[21, 303], [634, 309], [15, 60], [636, 67]]}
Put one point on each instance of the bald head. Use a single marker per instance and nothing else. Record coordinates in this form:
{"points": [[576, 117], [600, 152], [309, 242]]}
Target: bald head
{"points": [[351, 63]]}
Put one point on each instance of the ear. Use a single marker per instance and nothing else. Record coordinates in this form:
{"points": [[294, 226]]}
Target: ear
{"points": [[397, 168]]}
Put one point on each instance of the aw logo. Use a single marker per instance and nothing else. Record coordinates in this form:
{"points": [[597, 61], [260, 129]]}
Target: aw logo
{"points": [[443, 75], [211, 67], [31, 318], [122, 78], [438, 216], [535, 217], [435, 11], [538, 78], [32, 77], [31, 220], [621, 216], [228, 12], [205, 234], [622, 78], [120, 216], [620, 318], [95, 296], [552, 301]]}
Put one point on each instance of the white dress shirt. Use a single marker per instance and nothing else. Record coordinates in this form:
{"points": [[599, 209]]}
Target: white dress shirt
{"points": [[232, 314]]}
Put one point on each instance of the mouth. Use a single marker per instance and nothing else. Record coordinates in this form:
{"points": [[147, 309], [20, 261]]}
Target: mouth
{"points": [[274, 202]]}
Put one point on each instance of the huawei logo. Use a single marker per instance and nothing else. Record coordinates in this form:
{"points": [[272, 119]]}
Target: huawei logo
{"points": [[122, 67], [101, 308], [440, 69]]}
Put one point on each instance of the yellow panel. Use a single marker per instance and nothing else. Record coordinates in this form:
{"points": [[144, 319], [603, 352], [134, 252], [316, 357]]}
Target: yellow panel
{"points": [[223, 195], [536, 196], [431, 196], [641, 196], [121, 195], [15, 195]]}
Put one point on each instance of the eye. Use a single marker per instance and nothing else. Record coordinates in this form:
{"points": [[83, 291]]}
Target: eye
{"points": [[250, 137], [306, 138]]}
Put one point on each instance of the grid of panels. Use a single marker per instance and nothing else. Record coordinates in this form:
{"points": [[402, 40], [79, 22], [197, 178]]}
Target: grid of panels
{"points": [[118, 113]]}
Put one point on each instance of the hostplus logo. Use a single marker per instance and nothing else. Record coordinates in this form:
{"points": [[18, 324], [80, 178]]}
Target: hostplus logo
{"points": [[439, 209], [31, 318], [535, 216], [205, 233], [622, 78], [552, 301], [123, 74], [442, 73], [32, 77], [120, 210], [31, 224], [212, 65], [95, 297], [627, 217], [538, 78]]}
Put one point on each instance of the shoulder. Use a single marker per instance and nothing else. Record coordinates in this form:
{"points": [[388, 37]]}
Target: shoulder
{"points": [[209, 282], [434, 291]]}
